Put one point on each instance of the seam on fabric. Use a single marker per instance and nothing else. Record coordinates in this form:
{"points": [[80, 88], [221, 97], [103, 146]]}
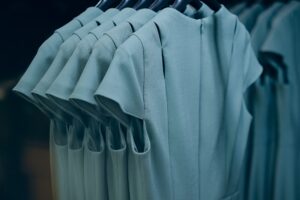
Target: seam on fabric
{"points": [[60, 35], [145, 107], [144, 75], [79, 22], [225, 95], [131, 26], [162, 49], [94, 35], [199, 125], [167, 117], [143, 174], [111, 40]]}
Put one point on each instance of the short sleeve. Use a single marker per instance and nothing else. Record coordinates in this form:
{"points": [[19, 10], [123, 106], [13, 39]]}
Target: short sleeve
{"points": [[244, 59], [279, 39], [121, 92], [38, 67]]}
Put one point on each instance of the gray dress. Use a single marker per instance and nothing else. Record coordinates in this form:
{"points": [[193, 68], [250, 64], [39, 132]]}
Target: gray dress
{"points": [[283, 40], [257, 179], [186, 87], [263, 140]]}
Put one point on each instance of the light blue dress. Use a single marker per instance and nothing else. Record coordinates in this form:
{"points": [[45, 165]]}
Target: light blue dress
{"points": [[82, 96], [64, 53], [61, 88], [100, 59], [185, 87], [66, 154], [47, 53], [75, 127], [60, 91]]}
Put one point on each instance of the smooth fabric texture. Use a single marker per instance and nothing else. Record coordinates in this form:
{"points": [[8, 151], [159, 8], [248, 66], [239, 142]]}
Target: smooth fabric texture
{"points": [[91, 76], [287, 157], [62, 87], [189, 11], [94, 71], [59, 159], [100, 59], [249, 16], [58, 130], [76, 139], [238, 9], [102, 55], [264, 136], [283, 41], [158, 71], [48, 51], [263, 26], [117, 164], [95, 176], [64, 53], [258, 172]]}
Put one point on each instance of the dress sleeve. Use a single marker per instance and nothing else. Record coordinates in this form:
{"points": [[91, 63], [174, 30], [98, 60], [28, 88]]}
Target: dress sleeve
{"points": [[280, 39], [243, 58], [121, 92]]}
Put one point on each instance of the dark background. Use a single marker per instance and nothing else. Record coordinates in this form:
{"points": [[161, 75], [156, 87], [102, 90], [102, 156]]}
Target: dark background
{"points": [[24, 155]]}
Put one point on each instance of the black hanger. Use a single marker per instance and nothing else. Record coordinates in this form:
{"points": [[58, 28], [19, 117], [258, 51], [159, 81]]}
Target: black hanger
{"points": [[106, 4], [142, 4], [126, 4], [157, 5], [180, 5]]}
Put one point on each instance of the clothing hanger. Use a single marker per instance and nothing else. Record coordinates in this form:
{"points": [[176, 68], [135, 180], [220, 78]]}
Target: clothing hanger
{"points": [[126, 3], [142, 4], [106, 4], [180, 5], [157, 5]]}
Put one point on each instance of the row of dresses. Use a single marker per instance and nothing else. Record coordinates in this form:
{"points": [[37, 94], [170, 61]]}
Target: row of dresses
{"points": [[272, 162], [145, 105]]}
